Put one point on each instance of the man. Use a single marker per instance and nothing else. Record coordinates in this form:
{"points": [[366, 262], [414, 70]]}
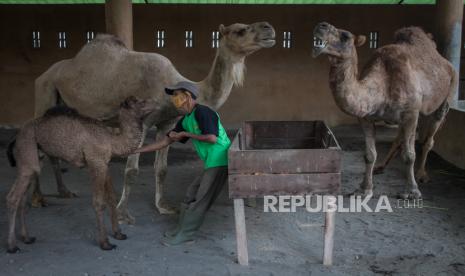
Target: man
{"points": [[203, 126]]}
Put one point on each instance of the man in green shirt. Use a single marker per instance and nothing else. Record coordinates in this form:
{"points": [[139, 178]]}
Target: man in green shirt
{"points": [[203, 125]]}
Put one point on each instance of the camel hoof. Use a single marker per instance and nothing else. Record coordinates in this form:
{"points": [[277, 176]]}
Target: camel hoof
{"points": [[66, 194], [125, 218], [107, 246], [422, 178], [120, 236], [29, 240], [38, 202], [13, 250], [165, 209], [363, 193], [412, 194], [378, 170]]}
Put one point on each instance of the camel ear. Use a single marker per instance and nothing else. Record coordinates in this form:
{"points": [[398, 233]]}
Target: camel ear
{"points": [[223, 30], [430, 35], [360, 40]]}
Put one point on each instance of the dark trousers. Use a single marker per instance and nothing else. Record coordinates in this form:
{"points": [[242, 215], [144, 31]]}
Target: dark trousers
{"points": [[205, 189]]}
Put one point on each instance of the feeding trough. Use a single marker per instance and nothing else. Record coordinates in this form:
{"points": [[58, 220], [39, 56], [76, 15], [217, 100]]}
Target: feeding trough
{"points": [[283, 158]]}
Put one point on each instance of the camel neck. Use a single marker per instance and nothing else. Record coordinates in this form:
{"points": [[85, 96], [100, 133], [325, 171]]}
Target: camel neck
{"points": [[226, 71], [129, 137], [348, 91]]}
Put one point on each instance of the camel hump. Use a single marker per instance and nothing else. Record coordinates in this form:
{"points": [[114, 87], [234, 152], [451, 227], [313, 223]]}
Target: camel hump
{"points": [[109, 40], [414, 36]]}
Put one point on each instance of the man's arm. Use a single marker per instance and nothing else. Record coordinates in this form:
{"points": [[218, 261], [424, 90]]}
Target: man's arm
{"points": [[209, 138], [166, 141]]}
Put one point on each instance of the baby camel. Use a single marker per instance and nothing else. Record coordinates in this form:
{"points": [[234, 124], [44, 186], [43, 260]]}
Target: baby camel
{"points": [[63, 133]]}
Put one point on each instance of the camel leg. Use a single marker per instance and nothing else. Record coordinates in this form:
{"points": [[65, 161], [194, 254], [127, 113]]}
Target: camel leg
{"points": [[379, 169], [130, 176], [62, 189], [37, 199], [13, 199], [99, 175], [434, 124], [366, 188], [408, 155], [110, 199], [160, 166], [24, 233]]}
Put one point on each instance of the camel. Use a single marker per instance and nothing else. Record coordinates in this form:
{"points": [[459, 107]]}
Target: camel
{"points": [[104, 72], [55, 134], [401, 82]]}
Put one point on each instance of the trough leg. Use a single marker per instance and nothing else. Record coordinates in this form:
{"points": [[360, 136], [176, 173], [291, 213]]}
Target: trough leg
{"points": [[329, 237], [241, 235]]}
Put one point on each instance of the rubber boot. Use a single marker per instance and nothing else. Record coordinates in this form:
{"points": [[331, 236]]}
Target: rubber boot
{"points": [[188, 226], [182, 212]]}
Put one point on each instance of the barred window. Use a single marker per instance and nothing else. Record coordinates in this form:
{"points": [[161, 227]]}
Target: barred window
{"points": [[215, 39], [189, 39], [160, 38], [62, 40], [36, 39], [373, 40], [90, 35], [286, 39]]}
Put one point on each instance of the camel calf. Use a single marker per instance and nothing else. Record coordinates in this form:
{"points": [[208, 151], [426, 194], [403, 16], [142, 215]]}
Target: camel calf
{"points": [[64, 134]]}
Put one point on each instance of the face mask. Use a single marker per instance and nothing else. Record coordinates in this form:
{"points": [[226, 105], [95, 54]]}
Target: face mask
{"points": [[179, 100]]}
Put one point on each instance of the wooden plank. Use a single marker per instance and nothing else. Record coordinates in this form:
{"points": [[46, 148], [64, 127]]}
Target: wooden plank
{"points": [[284, 161], [245, 186], [329, 238], [241, 234], [285, 143]]}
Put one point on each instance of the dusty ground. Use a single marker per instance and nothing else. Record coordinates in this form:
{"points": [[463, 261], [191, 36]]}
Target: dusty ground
{"points": [[419, 241]]}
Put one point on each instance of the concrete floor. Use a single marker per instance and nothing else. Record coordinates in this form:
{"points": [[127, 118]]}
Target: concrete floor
{"points": [[420, 241]]}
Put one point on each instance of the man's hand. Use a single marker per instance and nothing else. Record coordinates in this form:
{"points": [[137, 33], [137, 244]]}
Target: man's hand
{"points": [[177, 136]]}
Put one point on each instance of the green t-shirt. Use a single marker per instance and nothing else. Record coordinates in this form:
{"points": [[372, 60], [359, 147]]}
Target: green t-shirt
{"points": [[201, 121]]}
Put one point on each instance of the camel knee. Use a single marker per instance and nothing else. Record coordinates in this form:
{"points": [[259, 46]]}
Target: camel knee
{"points": [[428, 145], [161, 173], [370, 156], [131, 172], [408, 157]]}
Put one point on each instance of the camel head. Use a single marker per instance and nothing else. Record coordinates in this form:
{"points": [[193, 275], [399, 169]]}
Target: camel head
{"points": [[135, 108], [336, 43], [242, 39]]}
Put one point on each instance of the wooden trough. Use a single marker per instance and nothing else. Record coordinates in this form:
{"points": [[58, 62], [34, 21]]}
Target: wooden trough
{"points": [[283, 158]]}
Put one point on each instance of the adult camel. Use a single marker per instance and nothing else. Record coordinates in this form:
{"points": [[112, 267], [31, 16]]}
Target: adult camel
{"points": [[105, 72], [400, 83]]}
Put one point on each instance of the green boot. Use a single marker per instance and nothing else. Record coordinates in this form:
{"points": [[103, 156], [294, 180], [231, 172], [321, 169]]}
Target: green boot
{"points": [[182, 212], [188, 226]]}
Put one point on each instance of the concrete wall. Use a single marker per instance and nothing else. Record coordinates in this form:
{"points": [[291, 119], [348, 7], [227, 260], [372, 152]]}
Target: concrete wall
{"points": [[284, 84]]}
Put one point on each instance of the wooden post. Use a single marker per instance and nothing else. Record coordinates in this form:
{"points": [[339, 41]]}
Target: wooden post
{"points": [[329, 237], [118, 20], [241, 235], [448, 32]]}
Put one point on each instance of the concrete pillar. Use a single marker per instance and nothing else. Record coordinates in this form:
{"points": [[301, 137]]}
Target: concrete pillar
{"points": [[448, 33], [118, 20]]}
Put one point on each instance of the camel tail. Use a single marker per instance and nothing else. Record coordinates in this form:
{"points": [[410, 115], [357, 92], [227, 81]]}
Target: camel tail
{"points": [[10, 154]]}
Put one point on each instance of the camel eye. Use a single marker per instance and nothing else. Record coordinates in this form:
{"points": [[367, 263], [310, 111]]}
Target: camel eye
{"points": [[241, 32], [345, 36]]}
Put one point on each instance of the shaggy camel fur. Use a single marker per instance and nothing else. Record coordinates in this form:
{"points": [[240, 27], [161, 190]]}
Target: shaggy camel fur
{"points": [[401, 82], [104, 72], [83, 142]]}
